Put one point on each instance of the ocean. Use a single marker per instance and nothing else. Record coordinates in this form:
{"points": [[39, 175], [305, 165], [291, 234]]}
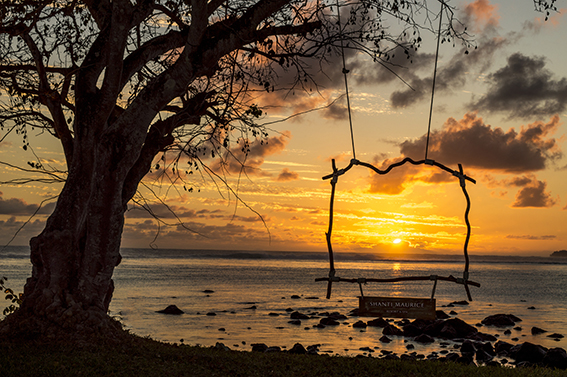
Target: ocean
{"points": [[240, 298]]}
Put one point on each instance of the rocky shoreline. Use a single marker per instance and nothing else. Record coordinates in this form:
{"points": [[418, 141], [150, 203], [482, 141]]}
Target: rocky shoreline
{"points": [[455, 340]]}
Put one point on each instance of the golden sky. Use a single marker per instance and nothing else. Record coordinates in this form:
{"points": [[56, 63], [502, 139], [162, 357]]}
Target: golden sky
{"points": [[499, 111]]}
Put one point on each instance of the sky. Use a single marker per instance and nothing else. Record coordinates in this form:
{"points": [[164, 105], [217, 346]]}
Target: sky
{"points": [[499, 110]]}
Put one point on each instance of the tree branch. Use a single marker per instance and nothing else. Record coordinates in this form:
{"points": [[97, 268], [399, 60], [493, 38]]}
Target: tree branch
{"points": [[52, 101]]}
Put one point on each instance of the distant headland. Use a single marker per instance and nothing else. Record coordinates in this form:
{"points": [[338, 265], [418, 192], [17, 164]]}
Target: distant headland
{"points": [[560, 253]]}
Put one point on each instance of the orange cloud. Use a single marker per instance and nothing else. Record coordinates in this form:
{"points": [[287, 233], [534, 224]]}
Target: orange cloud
{"points": [[287, 175], [483, 14], [475, 144], [534, 195]]}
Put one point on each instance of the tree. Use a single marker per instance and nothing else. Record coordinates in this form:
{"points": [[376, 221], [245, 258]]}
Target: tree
{"points": [[120, 82]]}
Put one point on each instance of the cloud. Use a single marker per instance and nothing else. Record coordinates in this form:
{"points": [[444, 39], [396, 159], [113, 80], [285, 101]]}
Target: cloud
{"points": [[481, 14], [286, 175], [533, 195], [18, 207], [451, 76], [531, 237], [477, 145], [236, 161], [161, 211], [539, 23], [524, 88], [25, 231]]}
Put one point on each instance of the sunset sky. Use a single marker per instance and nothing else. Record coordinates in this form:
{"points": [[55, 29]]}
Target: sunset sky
{"points": [[499, 110]]}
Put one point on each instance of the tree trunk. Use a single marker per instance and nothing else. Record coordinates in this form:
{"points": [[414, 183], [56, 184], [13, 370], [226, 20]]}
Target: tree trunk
{"points": [[74, 257]]}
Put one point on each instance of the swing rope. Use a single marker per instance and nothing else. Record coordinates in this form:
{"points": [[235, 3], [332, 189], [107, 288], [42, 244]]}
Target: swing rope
{"points": [[434, 77], [345, 72]]}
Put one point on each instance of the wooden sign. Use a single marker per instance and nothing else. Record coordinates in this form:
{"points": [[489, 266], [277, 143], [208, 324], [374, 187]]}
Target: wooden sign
{"points": [[396, 307]]}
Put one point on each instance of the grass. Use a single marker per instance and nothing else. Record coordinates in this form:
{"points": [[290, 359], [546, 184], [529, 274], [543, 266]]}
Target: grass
{"points": [[142, 357]]}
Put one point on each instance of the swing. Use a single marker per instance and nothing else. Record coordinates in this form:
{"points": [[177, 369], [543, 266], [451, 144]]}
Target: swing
{"points": [[423, 308]]}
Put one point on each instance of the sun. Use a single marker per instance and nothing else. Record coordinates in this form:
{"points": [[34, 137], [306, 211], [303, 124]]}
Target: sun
{"points": [[397, 241]]}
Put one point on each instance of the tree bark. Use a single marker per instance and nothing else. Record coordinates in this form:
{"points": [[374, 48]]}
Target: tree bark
{"points": [[74, 257]]}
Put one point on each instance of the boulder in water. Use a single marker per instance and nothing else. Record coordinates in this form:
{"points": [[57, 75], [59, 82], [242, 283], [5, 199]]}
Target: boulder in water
{"points": [[501, 320], [171, 309], [529, 352], [537, 330], [556, 358]]}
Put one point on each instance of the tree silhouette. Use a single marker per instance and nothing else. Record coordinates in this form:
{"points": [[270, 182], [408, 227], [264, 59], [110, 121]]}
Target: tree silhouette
{"points": [[120, 82]]}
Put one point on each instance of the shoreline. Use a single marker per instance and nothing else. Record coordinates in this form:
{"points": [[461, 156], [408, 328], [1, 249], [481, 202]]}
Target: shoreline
{"points": [[447, 338]]}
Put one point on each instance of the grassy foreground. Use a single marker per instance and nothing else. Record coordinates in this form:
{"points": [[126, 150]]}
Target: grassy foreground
{"points": [[145, 357]]}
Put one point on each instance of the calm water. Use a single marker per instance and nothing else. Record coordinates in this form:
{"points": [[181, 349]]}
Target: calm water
{"points": [[149, 280]]}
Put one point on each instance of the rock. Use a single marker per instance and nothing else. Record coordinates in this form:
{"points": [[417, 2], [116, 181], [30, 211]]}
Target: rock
{"points": [[312, 298], [556, 358], [328, 322], [259, 347], [452, 312], [440, 314], [221, 347], [482, 356], [507, 332], [537, 331], [211, 314], [359, 325], [392, 330], [298, 315], [452, 356], [313, 349], [423, 323], [337, 316], [424, 338], [468, 348], [295, 297], [378, 322], [455, 328], [501, 320], [171, 309], [385, 339], [487, 347], [274, 314], [289, 310], [391, 357], [531, 307], [412, 330], [518, 328], [298, 349], [295, 322], [556, 336], [208, 291], [410, 346], [502, 348], [527, 352], [273, 349], [464, 302], [253, 307], [222, 329], [482, 337]]}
